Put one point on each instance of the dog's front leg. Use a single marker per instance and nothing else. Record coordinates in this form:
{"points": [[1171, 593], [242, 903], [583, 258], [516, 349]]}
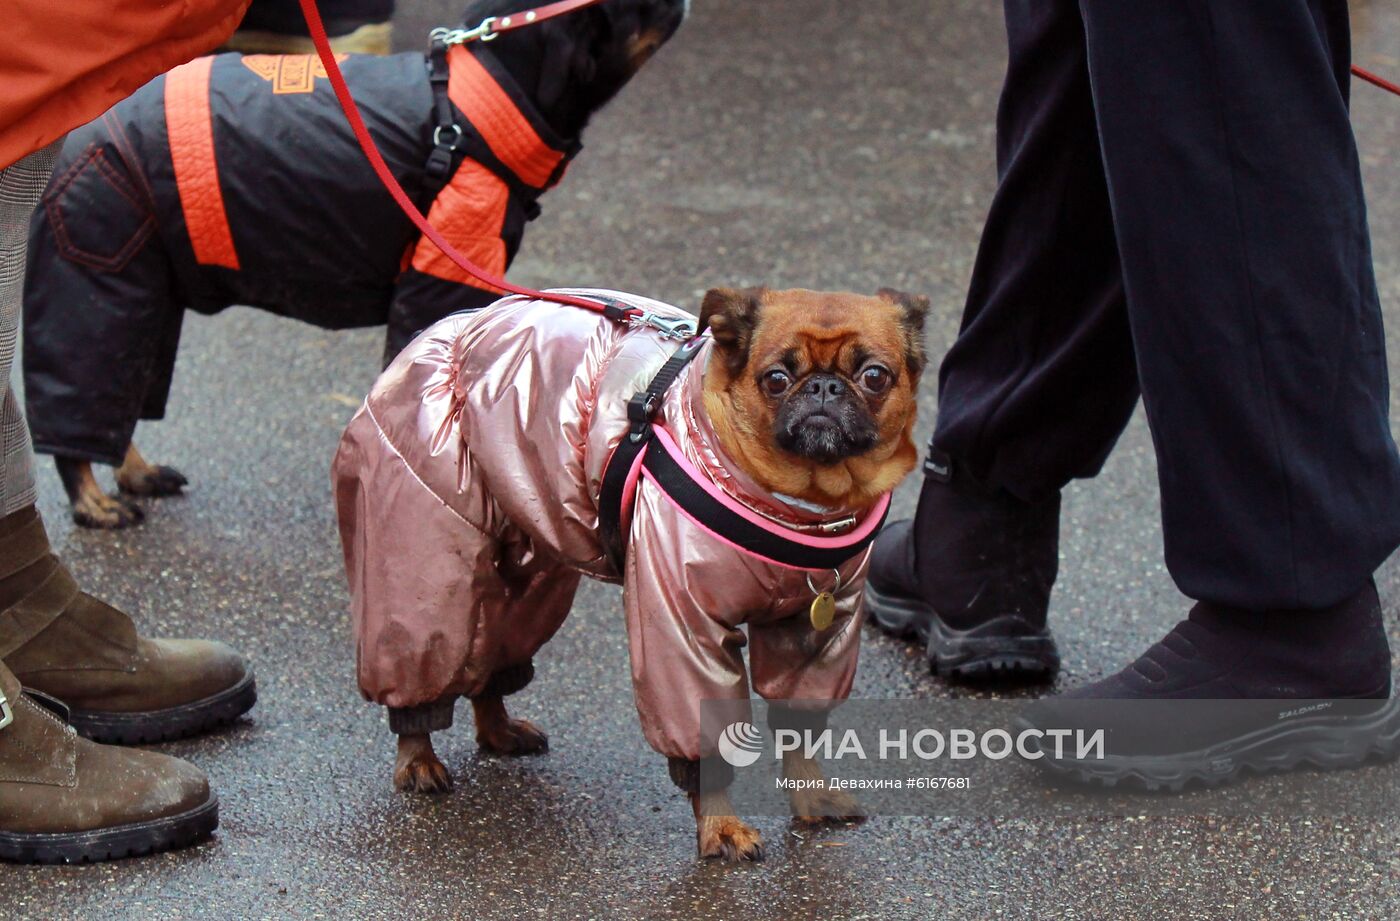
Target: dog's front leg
{"points": [[417, 768], [812, 802], [719, 833], [91, 506]]}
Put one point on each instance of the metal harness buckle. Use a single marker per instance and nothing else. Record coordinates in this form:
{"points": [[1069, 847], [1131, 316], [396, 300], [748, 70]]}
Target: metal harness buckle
{"points": [[669, 327], [7, 716], [483, 33]]}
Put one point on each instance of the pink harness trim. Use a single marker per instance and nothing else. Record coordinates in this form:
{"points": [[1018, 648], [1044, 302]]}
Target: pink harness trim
{"points": [[872, 519]]}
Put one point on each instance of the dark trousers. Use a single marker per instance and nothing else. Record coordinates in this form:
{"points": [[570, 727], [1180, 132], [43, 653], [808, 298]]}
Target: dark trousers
{"points": [[1180, 215]]}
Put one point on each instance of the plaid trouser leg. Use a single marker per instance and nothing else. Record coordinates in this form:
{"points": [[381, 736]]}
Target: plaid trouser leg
{"points": [[20, 187]]}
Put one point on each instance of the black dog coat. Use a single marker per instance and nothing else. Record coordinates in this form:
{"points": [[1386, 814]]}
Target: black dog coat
{"points": [[236, 180]]}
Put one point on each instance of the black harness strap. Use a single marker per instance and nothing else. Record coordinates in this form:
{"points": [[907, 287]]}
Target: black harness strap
{"points": [[735, 528], [447, 134], [641, 411]]}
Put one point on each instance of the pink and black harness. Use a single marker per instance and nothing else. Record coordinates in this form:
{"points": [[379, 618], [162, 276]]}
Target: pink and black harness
{"points": [[647, 450]]}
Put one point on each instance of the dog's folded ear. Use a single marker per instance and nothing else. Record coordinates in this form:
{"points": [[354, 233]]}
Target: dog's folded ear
{"points": [[915, 310], [731, 315]]}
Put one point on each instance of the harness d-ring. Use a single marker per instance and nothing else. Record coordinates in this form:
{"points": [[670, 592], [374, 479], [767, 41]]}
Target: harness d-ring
{"points": [[834, 589]]}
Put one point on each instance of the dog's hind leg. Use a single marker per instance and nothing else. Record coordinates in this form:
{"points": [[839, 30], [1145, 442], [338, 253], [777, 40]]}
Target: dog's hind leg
{"points": [[813, 802], [140, 477], [417, 768], [719, 833], [496, 732], [92, 507]]}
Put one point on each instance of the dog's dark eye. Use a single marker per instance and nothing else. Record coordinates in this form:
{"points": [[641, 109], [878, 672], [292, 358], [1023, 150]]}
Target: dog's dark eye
{"points": [[876, 379], [776, 383]]}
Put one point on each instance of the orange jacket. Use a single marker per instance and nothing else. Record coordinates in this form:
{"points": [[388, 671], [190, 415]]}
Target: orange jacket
{"points": [[62, 64]]}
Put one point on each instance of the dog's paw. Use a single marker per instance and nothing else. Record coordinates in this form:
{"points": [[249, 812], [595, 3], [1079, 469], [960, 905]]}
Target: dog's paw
{"points": [[151, 480], [108, 512], [514, 737], [725, 837], [825, 807], [422, 773]]}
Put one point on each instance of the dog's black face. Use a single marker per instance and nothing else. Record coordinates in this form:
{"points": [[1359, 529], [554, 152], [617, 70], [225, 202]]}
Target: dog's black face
{"points": [[823, 418], [575, 63]]}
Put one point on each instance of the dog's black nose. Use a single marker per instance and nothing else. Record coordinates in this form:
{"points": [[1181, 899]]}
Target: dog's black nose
{"points": [[825, 387]]}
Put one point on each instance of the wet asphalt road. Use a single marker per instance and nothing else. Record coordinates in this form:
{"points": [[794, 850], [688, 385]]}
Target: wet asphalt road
{"points": [[784, 142]]}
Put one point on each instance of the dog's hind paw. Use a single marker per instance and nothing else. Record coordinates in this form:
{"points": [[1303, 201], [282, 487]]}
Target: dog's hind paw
{"points": [[107, 512], [514, 737], [422, 774], [825, 807], [725, 837], [151, 480]]}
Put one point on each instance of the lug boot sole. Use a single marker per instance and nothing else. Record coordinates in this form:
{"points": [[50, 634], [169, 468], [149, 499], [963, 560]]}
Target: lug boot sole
{"points": [[131, 840], [1322, 743], [1001, 651], [149, 726]]}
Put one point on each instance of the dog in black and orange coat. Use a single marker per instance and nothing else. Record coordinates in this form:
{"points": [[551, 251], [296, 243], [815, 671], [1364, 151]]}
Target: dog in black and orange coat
{"points": [[235, 180]]}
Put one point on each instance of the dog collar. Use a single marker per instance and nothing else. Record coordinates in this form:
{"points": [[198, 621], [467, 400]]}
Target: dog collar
{"points": [[648, 450]]}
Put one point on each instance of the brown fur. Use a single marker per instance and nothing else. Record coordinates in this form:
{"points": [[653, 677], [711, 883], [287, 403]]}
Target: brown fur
{"points": [[755, 327], [813, 804], [719, 833], [94, 508], [418, 770]]}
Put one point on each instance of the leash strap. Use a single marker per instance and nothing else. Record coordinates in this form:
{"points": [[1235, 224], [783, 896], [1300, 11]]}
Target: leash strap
{"points": [[386, 177], [1375, 80]]}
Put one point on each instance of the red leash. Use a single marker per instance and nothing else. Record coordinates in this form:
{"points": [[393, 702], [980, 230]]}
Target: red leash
{"points": [[1375, 80], [484, 32]]}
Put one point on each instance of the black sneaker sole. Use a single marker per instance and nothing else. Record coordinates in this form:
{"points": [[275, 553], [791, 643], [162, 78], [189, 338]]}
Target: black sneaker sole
{"points": [[133, 840], [150, 726], [1321, 743], [1001, 651]]}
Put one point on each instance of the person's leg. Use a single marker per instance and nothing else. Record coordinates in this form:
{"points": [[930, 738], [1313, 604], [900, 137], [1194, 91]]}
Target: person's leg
{"points": [[1037, 387], [1246, 255], [58, 639], [62, 798], [20, 187]]}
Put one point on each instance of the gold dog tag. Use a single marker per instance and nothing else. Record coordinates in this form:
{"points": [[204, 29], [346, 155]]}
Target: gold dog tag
{"points": [[823, 610]]}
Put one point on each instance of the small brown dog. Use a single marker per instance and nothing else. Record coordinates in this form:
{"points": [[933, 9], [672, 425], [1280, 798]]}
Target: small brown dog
{"points": [[473, 485]]}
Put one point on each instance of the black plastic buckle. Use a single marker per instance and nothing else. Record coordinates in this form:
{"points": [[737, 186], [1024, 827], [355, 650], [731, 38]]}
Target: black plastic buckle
{"points": [[439, 165], [640, 410]]}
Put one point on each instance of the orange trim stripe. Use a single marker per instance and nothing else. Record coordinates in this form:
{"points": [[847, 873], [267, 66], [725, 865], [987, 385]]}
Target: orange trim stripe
{"points": [[506, 131], [470, 212], [190, 127]]}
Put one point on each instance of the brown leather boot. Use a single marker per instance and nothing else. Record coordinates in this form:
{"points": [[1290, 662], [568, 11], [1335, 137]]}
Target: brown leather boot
{"points": [[119, 687], [64, 799]]}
